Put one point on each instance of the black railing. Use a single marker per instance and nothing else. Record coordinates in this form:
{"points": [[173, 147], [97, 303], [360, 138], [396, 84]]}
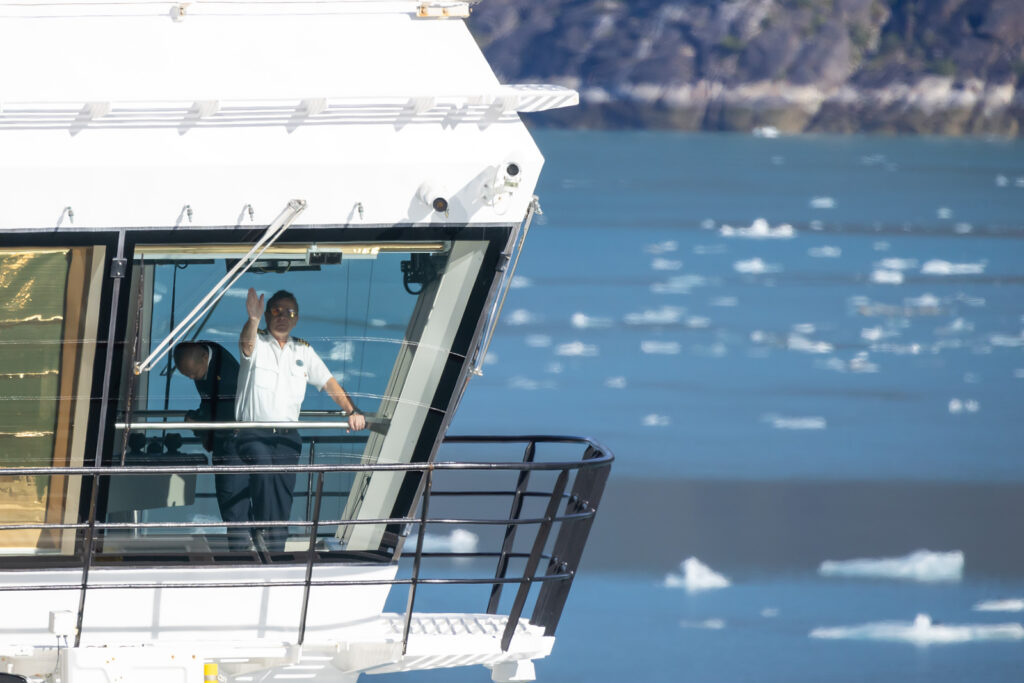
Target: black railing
{"points": [[587, 477]]}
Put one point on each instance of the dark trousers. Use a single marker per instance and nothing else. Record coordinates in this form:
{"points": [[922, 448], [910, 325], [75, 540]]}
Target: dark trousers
{"points": [[233, 497], [271, 494]]}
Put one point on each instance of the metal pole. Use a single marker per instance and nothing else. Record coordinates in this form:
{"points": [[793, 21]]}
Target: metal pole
{"points": [[416, 559], [312, 555], [510, 530]]}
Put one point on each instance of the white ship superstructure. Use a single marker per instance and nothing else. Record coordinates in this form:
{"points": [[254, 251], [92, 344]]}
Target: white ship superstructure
{"points": [[158, 159]]}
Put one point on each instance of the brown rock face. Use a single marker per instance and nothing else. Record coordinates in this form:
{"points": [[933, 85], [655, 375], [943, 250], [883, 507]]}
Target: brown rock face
{"points": [[953, 67]]}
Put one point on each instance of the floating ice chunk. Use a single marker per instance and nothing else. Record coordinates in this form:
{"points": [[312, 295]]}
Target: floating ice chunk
{"points": [[711, 624], [1009, 605], [770, 612], [524, 383], [893, 263], [520, 316], [705, 249], [755, 266], [861, 363], [922, 632], [666, 264], [759, 230], [796, 423], [887, 277], [957, 406], [695, 576], [458, 541], [944, 213], [928, 304], [707, 224], [940, 267], [1018, 181], [655, 420], [963, 228], [1002, 181], [662, 247], [554, 368], [538, 341], [957, 326], [822, 203], [804, 328], [922, 565], [667, 348], [770, 132], [698, 322], [872, 333], [520, 282], [615, 382], [678, 284], [666, 315], [1006, 340], [825, 252], [582, 321], [576, 348], [343, 351], [796, 342], [216, 332], [725, 301]]}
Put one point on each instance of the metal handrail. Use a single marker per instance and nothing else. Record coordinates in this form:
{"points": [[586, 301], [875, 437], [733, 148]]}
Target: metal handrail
{"points": [[554, 582]]}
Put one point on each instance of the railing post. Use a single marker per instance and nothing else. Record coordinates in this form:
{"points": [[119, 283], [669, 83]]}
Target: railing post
{"points": [[510, 530], [531, 564], [311, 555], [585, 498], [416, 559], [309, 477]]}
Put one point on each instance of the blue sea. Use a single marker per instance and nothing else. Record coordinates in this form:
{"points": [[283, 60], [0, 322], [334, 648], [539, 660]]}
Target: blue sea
{"points": [[803, 351]]}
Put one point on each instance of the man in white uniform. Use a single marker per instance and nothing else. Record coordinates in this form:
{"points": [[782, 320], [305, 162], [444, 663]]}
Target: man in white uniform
{"points": [[274, 371]]}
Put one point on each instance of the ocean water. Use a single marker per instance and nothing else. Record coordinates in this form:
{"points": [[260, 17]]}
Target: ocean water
{"points": [[802, 351]]}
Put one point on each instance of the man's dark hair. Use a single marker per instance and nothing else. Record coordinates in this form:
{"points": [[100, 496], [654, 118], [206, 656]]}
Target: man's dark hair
{"points": [[187, 350], [280, 295]]}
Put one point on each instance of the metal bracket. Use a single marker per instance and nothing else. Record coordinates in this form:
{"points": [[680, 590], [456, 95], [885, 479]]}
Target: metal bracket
{"points": [[118, 267]]}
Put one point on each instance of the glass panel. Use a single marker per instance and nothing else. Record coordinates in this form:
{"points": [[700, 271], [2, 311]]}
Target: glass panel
{"points": [[369, 311], [48, 316]]}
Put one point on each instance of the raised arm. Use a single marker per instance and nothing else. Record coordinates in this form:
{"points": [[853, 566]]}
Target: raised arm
{"points": [[356, 420], [254, 307]]}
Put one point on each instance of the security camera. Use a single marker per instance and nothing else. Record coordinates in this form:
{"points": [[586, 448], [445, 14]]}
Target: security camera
{"points": [[512, 169], [430, 196]]}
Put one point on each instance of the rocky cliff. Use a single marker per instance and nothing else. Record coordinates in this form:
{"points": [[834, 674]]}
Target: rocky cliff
{"points": [[953, 67]]}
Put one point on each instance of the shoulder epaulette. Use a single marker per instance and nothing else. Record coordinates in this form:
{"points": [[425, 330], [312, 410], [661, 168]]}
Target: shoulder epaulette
{"points": [[263, 332], [300, 341]]}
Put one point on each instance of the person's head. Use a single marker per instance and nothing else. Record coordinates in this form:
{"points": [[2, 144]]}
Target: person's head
{"points": [[192, 359], [282, 314]]}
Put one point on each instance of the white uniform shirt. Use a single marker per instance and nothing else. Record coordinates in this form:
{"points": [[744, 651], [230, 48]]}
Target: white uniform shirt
{"points": [[272, 381]]}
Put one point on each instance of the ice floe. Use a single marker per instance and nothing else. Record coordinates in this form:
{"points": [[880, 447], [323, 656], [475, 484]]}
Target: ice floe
{"points": [[755, 266], [665, 247], [678, 284], [1002, 181], [798, 342], [666, 264], [667, 348], [666, 315], [520, 316], [1006, 340], [725, 301], [881, 276], [963, 228], [695, 576], [940, 267], [1008, 605], [582, 321], [655, 420], [615, 382], [343, 351], [538, 341], [554, 368], [825, 252], [922, 631], [710, 624], [944, 213], [922, 565], [822, 203], [520, 282], [893, 263], [759, 230], [458, 541], [576, 348], [967, 405], [770, 132], [796, 423], [705, 249]]}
